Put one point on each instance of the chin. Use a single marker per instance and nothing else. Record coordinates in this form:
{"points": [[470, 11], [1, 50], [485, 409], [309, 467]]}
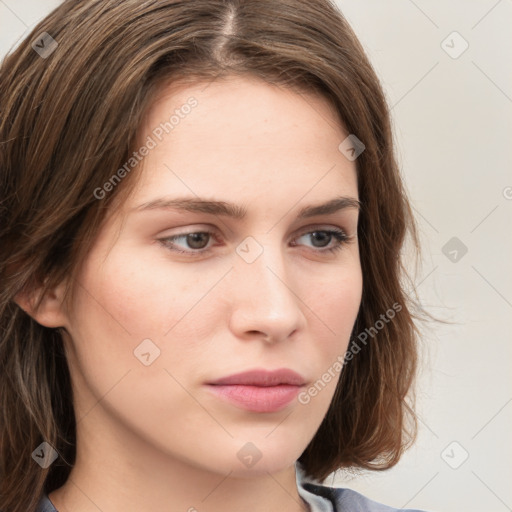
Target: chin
{"points": [[252, 461]]}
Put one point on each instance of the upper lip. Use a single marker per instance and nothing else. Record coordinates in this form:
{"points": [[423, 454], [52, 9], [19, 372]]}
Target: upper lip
{"points": [[263, 378]]}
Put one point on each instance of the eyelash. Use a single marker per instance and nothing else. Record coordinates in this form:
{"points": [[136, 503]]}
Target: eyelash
{"points": [[341, 237]]}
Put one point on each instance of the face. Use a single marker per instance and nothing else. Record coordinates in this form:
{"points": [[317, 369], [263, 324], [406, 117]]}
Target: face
{"points": [[171, 299]]}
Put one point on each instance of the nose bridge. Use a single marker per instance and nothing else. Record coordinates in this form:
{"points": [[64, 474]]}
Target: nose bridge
{"points": [[264, 293], [261, 263]]}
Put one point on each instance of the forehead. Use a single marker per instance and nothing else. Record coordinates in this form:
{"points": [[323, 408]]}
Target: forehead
{"points": [[246, 138], [242, 111]]}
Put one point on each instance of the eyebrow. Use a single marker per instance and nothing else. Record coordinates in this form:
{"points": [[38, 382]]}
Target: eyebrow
{"points": [[238, 212]]}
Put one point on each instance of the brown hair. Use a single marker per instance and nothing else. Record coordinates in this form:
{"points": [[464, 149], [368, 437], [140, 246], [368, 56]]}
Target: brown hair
{"points": [[70, 119]]}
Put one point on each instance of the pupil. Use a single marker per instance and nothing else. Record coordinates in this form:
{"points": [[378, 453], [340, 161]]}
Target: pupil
{"points": [[194, 240], [319, 235]]}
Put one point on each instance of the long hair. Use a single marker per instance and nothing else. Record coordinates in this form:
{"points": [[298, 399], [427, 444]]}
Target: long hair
{"points": [[73, 96]]}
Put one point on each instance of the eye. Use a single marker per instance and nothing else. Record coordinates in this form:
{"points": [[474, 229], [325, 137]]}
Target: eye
{"points": [[325, 236], [325, 240], [197, 240]]}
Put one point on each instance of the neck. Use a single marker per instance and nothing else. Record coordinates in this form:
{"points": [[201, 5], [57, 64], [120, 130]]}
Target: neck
{"points": [[109, 477]]}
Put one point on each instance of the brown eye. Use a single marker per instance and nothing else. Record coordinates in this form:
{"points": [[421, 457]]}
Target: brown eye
{"points": [[197, 240], [322, 238], [194, 242]]}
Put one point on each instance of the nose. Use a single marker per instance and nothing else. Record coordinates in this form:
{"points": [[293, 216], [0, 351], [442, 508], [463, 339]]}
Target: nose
{"points": [[264, 302]]}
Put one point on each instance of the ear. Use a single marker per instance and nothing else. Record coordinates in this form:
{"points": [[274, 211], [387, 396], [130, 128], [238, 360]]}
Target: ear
{"points": [[50, 312]]}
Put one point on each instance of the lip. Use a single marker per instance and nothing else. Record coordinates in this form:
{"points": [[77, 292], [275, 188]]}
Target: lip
{"points": [[259, 390], [261, 377]]}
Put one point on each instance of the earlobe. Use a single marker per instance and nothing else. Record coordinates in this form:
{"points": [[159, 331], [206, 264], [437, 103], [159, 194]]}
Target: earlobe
{"points": [[50, 312]]}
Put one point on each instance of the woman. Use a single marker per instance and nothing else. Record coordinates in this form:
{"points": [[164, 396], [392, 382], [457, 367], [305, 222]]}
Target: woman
{"points": [[201, 226]]}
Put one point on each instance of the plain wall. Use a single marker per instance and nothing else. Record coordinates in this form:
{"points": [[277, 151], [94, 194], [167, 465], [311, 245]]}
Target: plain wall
{"points": [[452, 118]]}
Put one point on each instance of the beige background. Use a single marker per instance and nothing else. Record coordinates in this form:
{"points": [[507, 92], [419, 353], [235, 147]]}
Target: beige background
{"points": [[452, 113]]}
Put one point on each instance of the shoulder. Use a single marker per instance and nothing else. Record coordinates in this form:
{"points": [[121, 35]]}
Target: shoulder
{"points": [[338, 499], [349, 500]]}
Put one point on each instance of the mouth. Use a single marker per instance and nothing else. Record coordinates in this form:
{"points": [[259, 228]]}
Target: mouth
{"points": [[259, 390]]}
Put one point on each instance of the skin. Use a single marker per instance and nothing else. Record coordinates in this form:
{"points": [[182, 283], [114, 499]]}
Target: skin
{"points": [[152, 437]]}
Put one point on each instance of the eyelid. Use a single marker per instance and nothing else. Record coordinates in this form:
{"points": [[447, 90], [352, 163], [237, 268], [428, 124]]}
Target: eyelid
{"points": [[321, 227], [208, 228]]}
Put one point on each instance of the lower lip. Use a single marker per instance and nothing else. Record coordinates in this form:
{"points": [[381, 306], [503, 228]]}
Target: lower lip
{"points": [[257, 398]]}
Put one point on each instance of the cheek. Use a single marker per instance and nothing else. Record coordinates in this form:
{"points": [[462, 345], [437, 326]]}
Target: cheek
{"points": [[334, 308], [119, 306], [144, 296], [124, 301], [336, 304]]}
